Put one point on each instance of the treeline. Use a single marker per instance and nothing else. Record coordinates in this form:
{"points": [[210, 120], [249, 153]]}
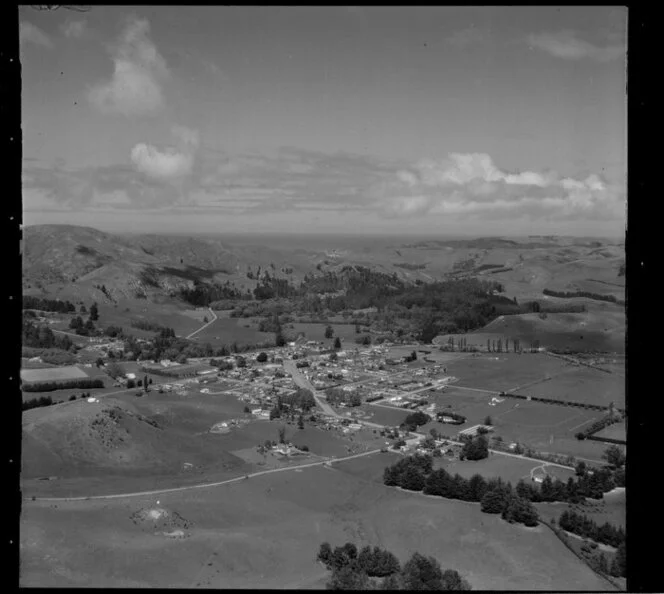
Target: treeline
{"points": [[587, 294], [202, 294], [560, 402], [597, 426], [584, 526], [55, 305], [376, 568], [37, 402], [62, 385], [415, 473]]}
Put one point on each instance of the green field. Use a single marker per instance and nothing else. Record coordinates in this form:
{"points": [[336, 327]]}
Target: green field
{"points": [[264, 533], [496, 465], [346, 332], [582, 384], [225, 331], [502, 371], [617, 431]]}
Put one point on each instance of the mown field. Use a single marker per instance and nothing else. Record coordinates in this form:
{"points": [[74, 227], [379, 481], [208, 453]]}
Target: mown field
{"points": [[264, 533], [503, 371], [582, 384]]}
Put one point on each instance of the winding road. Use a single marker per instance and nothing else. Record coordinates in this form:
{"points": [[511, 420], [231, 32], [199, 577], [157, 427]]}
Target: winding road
{"points": [[327, 462]]}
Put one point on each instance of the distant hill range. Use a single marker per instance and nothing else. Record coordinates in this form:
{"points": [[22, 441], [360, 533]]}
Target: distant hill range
{"points": [[69, 261]]}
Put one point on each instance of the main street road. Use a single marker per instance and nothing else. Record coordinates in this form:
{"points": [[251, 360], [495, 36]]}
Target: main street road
{"points": [[300, 379]]}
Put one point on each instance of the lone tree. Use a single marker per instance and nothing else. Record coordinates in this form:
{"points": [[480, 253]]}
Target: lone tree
{"points": [[94, 312], [337, 343], [488, 421], [329, 332], [282, 435]]}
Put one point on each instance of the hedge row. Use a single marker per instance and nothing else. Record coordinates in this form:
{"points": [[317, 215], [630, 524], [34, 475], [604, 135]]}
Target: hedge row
{"points": [[64, 385]]}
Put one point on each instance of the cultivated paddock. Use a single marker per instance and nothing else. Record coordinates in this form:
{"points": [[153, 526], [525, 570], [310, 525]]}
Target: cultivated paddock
{"points": [[53, 374]]}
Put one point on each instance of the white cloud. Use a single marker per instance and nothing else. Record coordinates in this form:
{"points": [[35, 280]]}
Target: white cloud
{"points": [[136, 85], [170, 163], [74, 28], [567, 46], [473, 184], [29, 33]]}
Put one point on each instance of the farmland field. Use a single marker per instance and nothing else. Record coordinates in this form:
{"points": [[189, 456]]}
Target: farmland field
{"points": [[617, 431], [225, 331], [582, 384], [53, 374], [532, 424], [264, 532], [346, 332]]}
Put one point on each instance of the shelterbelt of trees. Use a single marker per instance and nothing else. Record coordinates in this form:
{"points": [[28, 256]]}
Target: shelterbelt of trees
{"points": [[416, 473]]}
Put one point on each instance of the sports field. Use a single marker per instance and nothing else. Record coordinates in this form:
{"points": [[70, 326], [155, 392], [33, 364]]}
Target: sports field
{"points": [[264, 533], [53, 374], [502, 371]]}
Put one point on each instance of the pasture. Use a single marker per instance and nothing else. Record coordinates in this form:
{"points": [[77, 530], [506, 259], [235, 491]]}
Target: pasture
{"points": [[264, 533], [504, 371], [543, 427], [582, 384], [617, 431], [312, 331], [225, 331], [497, 465]]}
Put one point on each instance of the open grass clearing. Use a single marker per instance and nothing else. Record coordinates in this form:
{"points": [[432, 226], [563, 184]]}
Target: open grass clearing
{"points": [[617, 431], [225, 331], [582, 384], [504, 371], [496, 465], [264, 532]]}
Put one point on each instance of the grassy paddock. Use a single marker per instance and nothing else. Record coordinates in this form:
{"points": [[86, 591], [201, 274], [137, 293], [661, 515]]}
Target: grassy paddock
{"points": [[264, 533]]}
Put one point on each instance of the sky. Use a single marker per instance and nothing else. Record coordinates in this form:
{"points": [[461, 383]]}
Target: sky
{"points": [[324, 120]]}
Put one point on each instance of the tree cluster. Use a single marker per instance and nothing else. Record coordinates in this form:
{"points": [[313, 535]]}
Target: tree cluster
{"points": [[415, 420], [476, 448], [375, 568], [587, 528], [43, 337]]}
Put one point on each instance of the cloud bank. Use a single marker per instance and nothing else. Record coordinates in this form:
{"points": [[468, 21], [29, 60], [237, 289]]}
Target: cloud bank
{"points": [[456, 189], [568, 46], [29, 33], [465, 184], [139, 71]]}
